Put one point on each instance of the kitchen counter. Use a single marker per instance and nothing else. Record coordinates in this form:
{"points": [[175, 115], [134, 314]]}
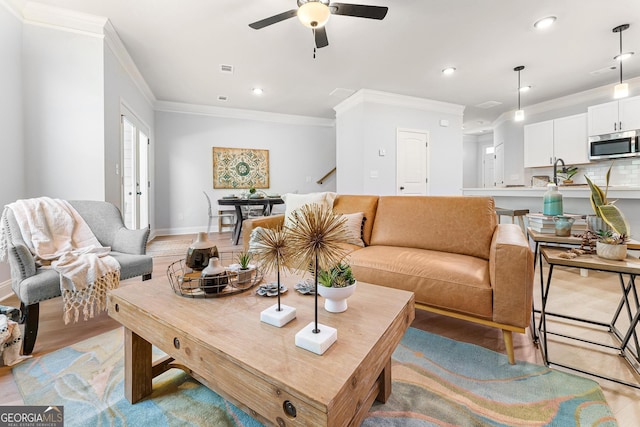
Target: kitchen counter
{"points": [[575, 199]]}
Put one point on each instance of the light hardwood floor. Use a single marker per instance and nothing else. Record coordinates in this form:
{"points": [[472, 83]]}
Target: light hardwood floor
{"points": [[595, 296]]}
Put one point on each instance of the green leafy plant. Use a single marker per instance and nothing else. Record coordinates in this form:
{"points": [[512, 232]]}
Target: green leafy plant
{"points": [[611, 238], [606, 209], [567, 173], [339, 276], [243, 259]]}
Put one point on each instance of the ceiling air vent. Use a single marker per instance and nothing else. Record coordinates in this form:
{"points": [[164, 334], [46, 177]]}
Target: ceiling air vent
{"points": [[223, 98], [228, 69], [488, 104]]}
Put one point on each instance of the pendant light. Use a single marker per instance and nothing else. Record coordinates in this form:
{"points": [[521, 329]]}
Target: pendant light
{"points": [[621, 90], [519, 116]]}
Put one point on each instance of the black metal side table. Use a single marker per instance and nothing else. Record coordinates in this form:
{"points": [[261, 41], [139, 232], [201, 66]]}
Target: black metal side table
{"points": [[627, 272]]}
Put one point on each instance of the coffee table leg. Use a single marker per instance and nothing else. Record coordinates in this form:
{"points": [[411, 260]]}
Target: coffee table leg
{"points": [[137, 367], [385, 383]]}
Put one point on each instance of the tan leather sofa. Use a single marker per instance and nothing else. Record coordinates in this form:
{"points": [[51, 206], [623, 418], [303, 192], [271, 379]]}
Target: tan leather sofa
{"points": [[449, 251]]}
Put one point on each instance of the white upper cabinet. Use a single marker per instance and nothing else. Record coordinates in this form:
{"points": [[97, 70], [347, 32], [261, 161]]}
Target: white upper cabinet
{"points": [[570, 142], [614, 116], [564, 138], [538, 144]]}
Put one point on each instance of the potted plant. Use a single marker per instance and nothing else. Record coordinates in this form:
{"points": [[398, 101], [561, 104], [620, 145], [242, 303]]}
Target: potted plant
{"points": [[336, 285], [609, 224], [567, 174], [246, 270]]}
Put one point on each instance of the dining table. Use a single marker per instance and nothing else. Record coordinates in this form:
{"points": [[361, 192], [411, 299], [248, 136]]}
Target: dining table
{"points": [[238, 202]]}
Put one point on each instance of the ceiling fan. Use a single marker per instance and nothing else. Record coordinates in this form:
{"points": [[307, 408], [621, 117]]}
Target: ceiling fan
{"points": [[314, 14]]}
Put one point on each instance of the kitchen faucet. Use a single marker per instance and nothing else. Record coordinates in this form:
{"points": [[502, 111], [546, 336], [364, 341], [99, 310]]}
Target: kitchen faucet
{"points": [[555, 170]]}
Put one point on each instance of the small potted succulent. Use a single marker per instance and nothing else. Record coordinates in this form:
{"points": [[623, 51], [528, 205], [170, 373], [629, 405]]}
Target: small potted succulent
{"points": [[336, 285], [609, 224], [567, 173], [245, 271]]}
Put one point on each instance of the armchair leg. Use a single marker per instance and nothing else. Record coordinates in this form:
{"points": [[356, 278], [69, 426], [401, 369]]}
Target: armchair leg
{"points": [[508, 343], [30, 315], [146, 277]]}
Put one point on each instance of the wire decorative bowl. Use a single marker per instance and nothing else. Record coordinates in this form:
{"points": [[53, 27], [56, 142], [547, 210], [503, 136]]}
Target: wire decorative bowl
{"points": [[189, 283]]}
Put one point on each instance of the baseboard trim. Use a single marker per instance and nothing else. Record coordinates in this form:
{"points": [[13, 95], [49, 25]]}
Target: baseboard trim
{"points": [[5, 290]]}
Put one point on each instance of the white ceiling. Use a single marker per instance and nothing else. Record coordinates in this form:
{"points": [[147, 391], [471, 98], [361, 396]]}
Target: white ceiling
{"points": [[178, 47]]}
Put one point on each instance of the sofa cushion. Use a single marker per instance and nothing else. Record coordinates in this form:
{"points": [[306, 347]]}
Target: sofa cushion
{"points": [[439, 279], [294, 202], [354, 223], [454, 224], [346, 203]]}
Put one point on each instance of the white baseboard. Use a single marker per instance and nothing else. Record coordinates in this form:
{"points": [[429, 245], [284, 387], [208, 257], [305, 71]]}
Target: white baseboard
{"points": [[5, 290], [182, 230]]}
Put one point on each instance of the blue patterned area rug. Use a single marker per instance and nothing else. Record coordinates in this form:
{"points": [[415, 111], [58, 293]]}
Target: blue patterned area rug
{"points": [[436, 381]]}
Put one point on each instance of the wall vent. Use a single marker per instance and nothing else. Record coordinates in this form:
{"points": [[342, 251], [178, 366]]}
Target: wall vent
{"points": [[223, 98], [224, 68]]}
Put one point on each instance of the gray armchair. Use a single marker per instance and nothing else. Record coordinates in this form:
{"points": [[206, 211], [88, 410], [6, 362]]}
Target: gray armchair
{"points": [[32, 284]]}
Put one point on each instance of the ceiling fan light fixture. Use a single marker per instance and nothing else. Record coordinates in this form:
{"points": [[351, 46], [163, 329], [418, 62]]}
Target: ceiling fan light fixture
{"points": [[314, 14]]}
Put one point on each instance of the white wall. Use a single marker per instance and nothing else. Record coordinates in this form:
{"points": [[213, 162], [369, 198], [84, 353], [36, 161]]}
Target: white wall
{"points": [[365, 126], [511, 134], [470, 164], [64, 113], [299, 155], [12, 175]]}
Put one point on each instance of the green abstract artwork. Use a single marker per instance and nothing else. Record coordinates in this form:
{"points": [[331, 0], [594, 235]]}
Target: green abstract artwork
{"points": [[240, 168]]}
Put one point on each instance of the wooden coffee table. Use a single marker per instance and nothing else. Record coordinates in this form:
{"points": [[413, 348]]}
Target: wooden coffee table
{"points": [[258, 367]]}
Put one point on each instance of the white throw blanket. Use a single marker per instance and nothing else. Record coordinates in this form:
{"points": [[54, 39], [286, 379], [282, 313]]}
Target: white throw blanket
{"points": [[55, 233]]}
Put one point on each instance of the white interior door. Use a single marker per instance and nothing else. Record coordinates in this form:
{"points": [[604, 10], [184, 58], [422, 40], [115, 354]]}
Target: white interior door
{"points": [[412, 162], [135, 173], [487, 166]]}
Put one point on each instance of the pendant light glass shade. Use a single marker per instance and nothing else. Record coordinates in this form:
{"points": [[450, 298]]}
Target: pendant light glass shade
{"points": [[519, 116], [621, 90], [314, 14]]}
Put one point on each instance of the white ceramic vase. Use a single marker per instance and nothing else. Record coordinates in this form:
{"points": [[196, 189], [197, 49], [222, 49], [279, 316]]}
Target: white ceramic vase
{"points": [[614, 252], [335, 299]]}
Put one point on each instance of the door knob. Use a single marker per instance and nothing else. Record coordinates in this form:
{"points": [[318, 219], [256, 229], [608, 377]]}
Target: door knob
{"points": [[401, 188]]}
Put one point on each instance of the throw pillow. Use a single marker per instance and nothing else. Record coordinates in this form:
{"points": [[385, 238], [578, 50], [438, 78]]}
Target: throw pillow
{"points": [[296, 201], [354, 225]]}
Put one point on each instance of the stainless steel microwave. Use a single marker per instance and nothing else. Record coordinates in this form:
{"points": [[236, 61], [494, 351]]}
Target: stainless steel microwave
{"points": [[613, 145]]}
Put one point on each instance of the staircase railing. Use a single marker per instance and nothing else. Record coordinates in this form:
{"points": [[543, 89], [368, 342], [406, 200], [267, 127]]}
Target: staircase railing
{"points": [[327, 175]]}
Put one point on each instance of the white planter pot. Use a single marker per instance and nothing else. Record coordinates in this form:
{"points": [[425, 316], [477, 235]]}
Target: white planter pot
{"points": [[335, 299], [607, 251]]}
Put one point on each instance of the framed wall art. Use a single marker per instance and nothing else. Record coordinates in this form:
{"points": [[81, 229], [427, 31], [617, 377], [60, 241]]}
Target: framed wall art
{"points": [[240, 168]]}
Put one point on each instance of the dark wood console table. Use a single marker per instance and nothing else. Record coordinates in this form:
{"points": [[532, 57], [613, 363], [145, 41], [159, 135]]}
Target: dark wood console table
{"points": [[266, 203]]}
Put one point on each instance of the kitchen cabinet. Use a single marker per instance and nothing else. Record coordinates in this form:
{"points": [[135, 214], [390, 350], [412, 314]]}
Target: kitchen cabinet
{"points": [[564, 138], [614, 116]]}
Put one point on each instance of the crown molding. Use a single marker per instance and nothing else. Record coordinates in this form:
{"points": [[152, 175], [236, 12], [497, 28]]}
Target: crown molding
{"points": [[14, 7], [392, 99], [235, 113], [114, 43]]}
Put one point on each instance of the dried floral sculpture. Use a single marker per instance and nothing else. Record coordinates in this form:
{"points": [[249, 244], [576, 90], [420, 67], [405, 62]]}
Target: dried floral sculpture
{"points": [[271, 251], [316, 238]]}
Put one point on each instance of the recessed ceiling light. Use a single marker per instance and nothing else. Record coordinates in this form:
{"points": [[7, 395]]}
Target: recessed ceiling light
{"points": [[623, 56], [448, 70], [257, 91], [545, 22], [525, 88]]}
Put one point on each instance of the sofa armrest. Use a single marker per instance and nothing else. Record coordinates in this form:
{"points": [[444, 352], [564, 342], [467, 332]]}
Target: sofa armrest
{"points": [[131, 241], [248, 225], [511, 273]]}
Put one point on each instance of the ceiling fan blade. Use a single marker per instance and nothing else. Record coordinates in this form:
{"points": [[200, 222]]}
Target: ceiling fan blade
{"points": [[274, 19], [321, 37], [359, 10]]}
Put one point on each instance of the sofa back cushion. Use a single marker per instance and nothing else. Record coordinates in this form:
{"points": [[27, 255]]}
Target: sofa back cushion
{"points": [[455, 224], [347, 204]]}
